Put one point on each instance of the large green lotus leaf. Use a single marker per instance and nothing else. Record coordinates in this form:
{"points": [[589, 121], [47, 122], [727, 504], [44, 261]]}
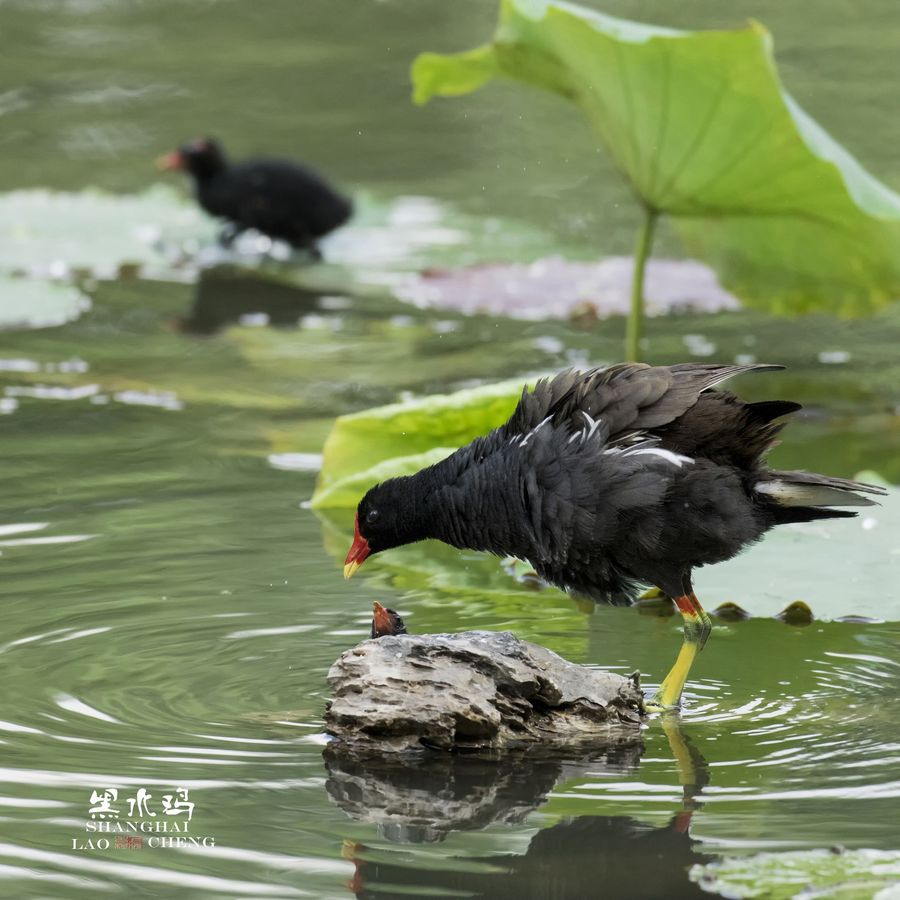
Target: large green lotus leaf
{"points": [[402, 430], [848, 875], [700, 125]]}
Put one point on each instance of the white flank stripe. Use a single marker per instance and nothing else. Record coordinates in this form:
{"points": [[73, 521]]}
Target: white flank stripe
{"points": [[534, 430], [593, 423], [675, 458]]}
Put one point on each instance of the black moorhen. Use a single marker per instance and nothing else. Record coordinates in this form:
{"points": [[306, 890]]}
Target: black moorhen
{"points": [[610, 479], [386, 621], [279, 198]]}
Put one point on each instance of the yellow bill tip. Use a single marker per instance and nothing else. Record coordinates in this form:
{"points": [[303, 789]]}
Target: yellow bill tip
{"points": [[350, 569]]}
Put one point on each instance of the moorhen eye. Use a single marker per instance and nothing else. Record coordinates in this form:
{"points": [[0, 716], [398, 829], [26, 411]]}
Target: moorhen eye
{"points": [[372, 516]]}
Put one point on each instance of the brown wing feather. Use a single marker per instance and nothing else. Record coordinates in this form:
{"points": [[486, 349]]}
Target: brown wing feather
{"points": [[629, 397], [723, 428]]}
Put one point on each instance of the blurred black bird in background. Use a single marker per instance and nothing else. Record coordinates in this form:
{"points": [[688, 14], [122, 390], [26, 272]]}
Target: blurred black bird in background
{"points": [[610, 479], [279, 198]]}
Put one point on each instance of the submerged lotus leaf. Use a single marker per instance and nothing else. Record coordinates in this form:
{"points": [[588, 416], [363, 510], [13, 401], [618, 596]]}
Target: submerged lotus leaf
{"points": [[703, 130], [844, 874], [553, 287]]}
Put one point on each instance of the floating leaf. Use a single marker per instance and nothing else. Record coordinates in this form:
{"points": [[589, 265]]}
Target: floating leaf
{"points": [[50, 232], [411, 233], [39, 304], [700, 125], [845, 874]]}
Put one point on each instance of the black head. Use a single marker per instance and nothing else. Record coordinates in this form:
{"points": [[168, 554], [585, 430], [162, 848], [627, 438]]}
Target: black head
{"points": [[384, 519], [201, 157], [426, 504], [386, 621]]}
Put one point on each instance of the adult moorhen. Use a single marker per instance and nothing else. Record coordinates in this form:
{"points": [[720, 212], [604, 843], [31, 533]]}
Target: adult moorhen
{"points": [[279, 198], [610, 479]]}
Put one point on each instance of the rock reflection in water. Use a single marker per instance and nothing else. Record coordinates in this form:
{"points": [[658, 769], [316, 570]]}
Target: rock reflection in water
{"points": [[418, 798], [413, 800]]}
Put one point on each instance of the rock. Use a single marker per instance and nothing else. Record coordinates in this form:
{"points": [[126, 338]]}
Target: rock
{"points": [[474, 691]]}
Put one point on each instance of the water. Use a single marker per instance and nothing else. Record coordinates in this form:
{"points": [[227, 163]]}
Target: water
{"points": [[171, 608]]}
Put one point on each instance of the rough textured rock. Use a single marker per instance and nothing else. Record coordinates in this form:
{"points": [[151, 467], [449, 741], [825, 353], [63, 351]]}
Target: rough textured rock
{"points": [[474, 691]]}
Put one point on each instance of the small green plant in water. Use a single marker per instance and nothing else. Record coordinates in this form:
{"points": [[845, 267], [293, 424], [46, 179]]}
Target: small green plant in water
{"points": [[702, 129]]}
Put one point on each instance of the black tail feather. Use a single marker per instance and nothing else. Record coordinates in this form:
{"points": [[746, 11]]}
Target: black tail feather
{"points": [[785, 515], [767, 410]]}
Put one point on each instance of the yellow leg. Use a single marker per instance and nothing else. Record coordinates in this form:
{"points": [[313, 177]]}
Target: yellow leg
{"points": [[697, 627]]}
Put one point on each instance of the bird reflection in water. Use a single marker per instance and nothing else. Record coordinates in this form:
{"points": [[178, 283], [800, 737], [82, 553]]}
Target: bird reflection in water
{"points": [[227, 295], [578, 858]]}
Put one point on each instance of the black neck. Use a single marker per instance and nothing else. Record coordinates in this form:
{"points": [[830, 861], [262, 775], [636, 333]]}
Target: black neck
{"points": [[466, 501], [204, 168]]}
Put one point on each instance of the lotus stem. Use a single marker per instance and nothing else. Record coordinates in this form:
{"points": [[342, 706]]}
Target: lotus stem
{"points": [[635, 324]]}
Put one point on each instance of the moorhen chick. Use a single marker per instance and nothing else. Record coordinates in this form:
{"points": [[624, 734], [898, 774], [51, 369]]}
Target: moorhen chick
{"points": [[279, 198], [611, 479], [386, 621]]}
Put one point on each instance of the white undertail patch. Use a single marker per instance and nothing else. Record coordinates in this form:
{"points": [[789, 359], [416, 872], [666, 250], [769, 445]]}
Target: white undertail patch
{"points": [[787, 493]]}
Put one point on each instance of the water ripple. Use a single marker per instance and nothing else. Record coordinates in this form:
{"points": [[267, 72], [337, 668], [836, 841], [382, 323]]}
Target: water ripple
{"points": [[73, 704], [116, 872]]}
